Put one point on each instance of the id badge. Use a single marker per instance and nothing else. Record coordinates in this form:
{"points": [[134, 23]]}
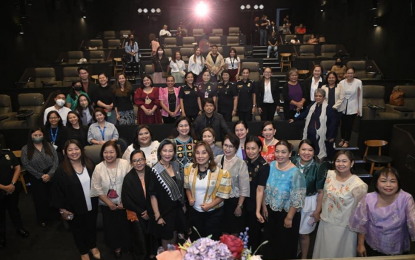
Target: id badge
{"points": [[206, 94], [55, 146], [147, 101]]}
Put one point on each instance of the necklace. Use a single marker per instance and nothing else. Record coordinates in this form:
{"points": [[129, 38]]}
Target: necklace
{"points": [[228, 161], [79, 173], [285, 167], [112, 176], [269, 142], [164, 165]]}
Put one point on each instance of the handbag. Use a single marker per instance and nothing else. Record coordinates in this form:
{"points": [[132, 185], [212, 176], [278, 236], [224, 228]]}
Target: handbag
{"points": [[397, 97], [163, 74]]}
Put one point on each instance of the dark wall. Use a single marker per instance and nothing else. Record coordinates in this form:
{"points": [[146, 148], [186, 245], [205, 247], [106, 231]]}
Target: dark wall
{"points": [[53, 26]]}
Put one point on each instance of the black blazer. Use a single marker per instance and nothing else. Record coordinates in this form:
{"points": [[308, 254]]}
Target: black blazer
{"points": [[275, 90], [132, 194], [219, 125], [307, 88], [68, 193], [287, 99]]}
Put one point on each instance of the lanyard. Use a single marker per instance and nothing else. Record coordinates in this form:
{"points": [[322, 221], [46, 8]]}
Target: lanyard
{"points": [[232, 62], [102, 132], [53, 136]]}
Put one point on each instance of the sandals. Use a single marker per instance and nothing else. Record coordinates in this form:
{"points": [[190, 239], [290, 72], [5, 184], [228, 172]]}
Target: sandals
{"points": [[341, 143], [346, 144]]}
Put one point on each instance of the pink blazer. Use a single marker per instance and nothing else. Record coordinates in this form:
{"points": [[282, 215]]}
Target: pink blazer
{"points": [[164, 94]]}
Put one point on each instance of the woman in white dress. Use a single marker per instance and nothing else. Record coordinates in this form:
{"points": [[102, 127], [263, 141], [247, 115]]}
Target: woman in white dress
{"points": [[342, 192]]}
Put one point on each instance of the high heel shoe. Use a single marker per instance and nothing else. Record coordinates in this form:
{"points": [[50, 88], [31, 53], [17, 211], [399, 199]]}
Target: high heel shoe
{"points": [[95, 253], [85, 257]]}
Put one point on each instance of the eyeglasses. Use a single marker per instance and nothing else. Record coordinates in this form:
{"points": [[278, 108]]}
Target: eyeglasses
{"points": [[228, 146], [138, 160]]}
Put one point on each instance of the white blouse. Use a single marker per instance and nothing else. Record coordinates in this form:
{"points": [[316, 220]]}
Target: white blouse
{"points": [[232, 64], [196, 67], [267, 93], [150, 152], [85, 181], [177, 66], [101, 183], [351, 101]]}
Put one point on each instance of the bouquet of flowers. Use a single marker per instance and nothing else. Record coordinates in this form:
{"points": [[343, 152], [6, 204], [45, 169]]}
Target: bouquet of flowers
{"points": [[228, 248]]}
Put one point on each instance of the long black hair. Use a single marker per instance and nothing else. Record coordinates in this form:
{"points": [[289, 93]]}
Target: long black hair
{"points": [[31, 147]]}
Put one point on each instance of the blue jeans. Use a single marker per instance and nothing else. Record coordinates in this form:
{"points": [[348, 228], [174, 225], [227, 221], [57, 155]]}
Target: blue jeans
{"points": [[262, 37], [275, 51]]}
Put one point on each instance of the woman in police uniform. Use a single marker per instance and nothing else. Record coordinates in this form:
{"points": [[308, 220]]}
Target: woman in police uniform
{"points": [[205, 90], [227, 97], [188, 98], [246, 96], [9, 196], [258, 170]]}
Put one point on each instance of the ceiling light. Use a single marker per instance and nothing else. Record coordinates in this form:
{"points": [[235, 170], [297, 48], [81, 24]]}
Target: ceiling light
{"points": [[140, 10], [255, 7], [248, 6], [261, 7], [242, 7], [158, 10], [153, 10]]}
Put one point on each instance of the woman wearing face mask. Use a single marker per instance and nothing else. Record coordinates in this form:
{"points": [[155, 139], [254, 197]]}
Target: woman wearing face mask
{"points": [[143, 140], [227, 96], [106, 184], [196, 63], [55, 132], [208, 136], [160, 65], [148, 102], [339, 68], [188, 98], [40, 160], [85, 110], [123, 100], [169, 101], [75, 130], [246, 96], [268, 141], [71, 195], [74, 92], [241, 131], [178, 67], [312, 83], [205, 90], [258, 170], [314, 178], [234, 213]]}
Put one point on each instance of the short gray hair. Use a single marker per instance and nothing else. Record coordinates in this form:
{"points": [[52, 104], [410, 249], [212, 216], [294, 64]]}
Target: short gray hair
{"points": [[321, 91]]}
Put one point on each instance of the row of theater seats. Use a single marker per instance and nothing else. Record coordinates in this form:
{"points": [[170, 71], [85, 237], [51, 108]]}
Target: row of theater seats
{"points": [[30, 108], [91, 56], [309, 51], [215, 31], [360, 66], [190, 41], [47, 77], [187, 52], [110, 44], [302, 37], [112, 34]]}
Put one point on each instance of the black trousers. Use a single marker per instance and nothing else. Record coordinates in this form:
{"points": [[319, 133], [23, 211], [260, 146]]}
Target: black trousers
{"points": [[268, 111], [207, 223], [41, 197], [169, 119], [116, 228], [10, 203], [84, 231], [282, 242], [245, 115], [143, 244], [227, 114], [347, 126], [254, 231]]}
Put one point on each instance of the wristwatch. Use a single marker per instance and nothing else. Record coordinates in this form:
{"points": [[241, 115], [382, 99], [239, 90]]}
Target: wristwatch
{"points": [[13, 183], [241, 206]]}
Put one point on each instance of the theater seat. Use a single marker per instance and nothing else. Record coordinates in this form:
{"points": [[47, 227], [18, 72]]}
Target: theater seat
{"points": [[5, 105], [70, 74], [328, 50], [188, 41], [44, 77], [125, 33], [232, 40], [234, 30], [409, 103], [307, 51], [168, 52], [215, 40], [254, 69], [360, 68], [114, 44], [217, 32], [75, 56], [96, 44], [149, 69], [27, 101], [288, 37], [327, 65], [93, 152], [373, 94], [109, 35], [306, 37], [198, 32], [186, 53], [96, 56], [240, 52], [170, 42]]}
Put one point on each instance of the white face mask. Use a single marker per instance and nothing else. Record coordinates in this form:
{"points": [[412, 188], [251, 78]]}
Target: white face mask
{"points": [[160, 52], [60, 102], [83, 104]]}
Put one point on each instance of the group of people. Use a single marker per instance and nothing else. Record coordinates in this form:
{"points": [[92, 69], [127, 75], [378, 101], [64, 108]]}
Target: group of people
{"points": [[153, 193]]}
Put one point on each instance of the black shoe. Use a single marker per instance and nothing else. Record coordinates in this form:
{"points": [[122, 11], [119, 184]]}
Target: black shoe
{"points": [[2, 243], [22, 232], [118, 255], [43, 224]]}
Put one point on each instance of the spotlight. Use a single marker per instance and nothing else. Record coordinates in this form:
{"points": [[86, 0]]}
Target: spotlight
{"points": [[375, 21], [21, 32], [84, 15], [322, 9], [248, 6], [153, 10], [256, 7], [140, 10], [242, 7], [261, 7], [158, 10], [374, 5], [145, 10], [202, 9]]}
